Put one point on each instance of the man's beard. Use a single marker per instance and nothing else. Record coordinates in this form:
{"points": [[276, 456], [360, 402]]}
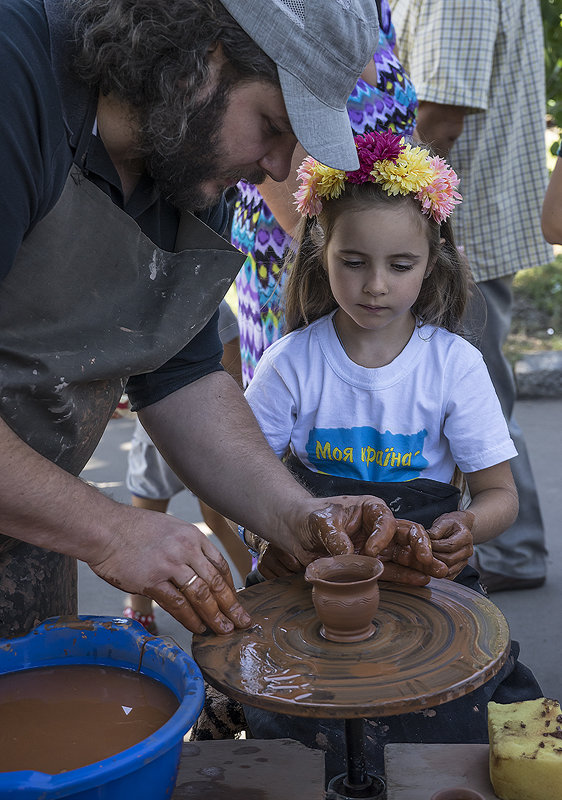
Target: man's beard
{"points": [[180, 171]]}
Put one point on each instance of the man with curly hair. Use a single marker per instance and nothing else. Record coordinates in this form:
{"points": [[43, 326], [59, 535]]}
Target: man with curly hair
{"points": [[122, 122]]}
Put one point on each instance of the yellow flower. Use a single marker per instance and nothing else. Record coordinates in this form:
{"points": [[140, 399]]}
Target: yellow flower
{"points": [[411, 172], [330, 181]]}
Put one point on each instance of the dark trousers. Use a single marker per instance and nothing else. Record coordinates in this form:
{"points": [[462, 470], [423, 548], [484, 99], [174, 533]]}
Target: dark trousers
{"points": [[520, 551]]}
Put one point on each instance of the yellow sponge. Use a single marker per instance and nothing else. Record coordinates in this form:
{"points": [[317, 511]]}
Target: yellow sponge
{"points": [[526, 749]]}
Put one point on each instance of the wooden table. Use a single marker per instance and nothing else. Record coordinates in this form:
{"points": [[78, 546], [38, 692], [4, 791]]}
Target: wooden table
{"points": [[253, 769], [416, 771]]}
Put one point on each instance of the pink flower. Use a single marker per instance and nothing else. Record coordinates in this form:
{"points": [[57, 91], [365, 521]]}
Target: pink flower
{"points": [[439, 197], [306, 197], [373, 147]]}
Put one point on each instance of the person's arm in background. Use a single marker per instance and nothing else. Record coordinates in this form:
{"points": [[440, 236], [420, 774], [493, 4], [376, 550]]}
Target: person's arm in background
{"points": [[439, 125], [551, 220]]}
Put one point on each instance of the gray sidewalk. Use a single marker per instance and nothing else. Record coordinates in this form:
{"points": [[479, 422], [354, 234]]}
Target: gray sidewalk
{"points": [[534, 616]]}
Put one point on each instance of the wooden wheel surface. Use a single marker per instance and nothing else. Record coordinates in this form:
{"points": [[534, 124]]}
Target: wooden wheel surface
{"points": [[431, 645]]}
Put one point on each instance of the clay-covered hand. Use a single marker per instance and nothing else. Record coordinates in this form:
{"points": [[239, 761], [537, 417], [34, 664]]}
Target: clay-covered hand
{"points": [[451, 540], [344, 525], [176, 565], [273, 562], [409, 558]]}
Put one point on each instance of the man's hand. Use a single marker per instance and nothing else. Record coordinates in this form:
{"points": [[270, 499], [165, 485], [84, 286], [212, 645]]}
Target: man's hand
{"points": [[175, 564], [451, 540], [343, 525], [274, 562]]}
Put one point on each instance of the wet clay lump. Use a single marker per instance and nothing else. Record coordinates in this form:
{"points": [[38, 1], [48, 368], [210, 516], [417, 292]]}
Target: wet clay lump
{"points": [[65, 717]]}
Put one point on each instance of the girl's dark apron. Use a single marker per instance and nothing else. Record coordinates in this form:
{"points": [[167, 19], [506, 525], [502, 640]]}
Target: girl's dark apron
{"points": [[89, 301], [420, 500]]}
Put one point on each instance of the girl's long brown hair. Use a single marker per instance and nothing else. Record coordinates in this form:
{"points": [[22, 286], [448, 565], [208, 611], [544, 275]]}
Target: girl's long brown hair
{"points": [[307, 295]]}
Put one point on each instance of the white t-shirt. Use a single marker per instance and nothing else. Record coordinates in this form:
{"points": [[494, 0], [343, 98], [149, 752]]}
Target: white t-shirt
{"points": [[434, 406]]}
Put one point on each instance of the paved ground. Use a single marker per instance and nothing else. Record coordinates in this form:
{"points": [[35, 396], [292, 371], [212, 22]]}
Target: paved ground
{"points": [[534, 616]]}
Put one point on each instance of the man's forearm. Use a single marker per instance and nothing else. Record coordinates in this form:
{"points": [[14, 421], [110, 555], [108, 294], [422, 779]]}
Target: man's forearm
{"points": [[209, 436], [45, 506], [138, 551]]}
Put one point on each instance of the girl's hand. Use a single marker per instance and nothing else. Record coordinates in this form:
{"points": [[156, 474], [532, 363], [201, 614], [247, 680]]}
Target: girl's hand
{"points": [[409, 558], [451, 540]]}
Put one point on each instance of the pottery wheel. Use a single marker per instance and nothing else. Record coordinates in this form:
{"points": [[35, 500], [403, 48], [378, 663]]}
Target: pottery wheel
{"points": [[431, 645]]}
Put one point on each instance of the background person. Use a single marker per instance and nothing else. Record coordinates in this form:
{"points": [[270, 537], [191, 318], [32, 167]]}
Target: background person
{"points": [[375, 297], [478, 69]]}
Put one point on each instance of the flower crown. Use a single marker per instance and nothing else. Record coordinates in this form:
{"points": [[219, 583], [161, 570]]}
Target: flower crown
{"points": [[386, 159]]}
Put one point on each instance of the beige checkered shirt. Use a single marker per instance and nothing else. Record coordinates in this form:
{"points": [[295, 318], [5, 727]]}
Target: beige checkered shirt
{"points": [[486, 55]]}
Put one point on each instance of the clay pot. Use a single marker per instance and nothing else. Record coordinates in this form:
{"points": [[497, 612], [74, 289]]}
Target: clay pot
{"points": [[457, 793], [345, 593]]}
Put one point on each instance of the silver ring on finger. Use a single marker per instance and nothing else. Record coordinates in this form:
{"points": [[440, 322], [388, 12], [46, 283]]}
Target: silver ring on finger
{"points": [[188, 583]]}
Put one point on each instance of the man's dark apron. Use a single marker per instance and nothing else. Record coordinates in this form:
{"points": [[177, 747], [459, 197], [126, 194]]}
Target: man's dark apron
{"points": [[89, 301]]}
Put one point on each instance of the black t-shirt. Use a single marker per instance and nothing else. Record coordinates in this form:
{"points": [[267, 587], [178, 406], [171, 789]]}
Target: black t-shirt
{"points": [[42, 112]]}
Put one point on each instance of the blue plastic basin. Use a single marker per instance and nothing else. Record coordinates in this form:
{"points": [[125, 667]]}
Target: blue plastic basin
{"points": [[147, 771]]}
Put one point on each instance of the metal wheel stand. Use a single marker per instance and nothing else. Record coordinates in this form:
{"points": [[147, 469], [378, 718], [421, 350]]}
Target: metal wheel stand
{"points": [[356, 783]]}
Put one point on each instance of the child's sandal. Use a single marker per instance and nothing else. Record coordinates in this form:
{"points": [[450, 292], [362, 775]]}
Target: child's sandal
{"points": [[146, 620]]}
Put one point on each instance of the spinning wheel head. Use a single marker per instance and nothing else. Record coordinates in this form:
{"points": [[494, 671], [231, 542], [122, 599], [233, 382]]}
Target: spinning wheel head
{"points": [[432, 645]]}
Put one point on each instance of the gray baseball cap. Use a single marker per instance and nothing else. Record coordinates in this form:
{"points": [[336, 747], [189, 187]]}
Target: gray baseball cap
{"points": [[320, 48]]}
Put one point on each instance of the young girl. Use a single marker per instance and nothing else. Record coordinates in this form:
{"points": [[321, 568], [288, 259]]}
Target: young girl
{"points": [[373, 386], [373, 382]]}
